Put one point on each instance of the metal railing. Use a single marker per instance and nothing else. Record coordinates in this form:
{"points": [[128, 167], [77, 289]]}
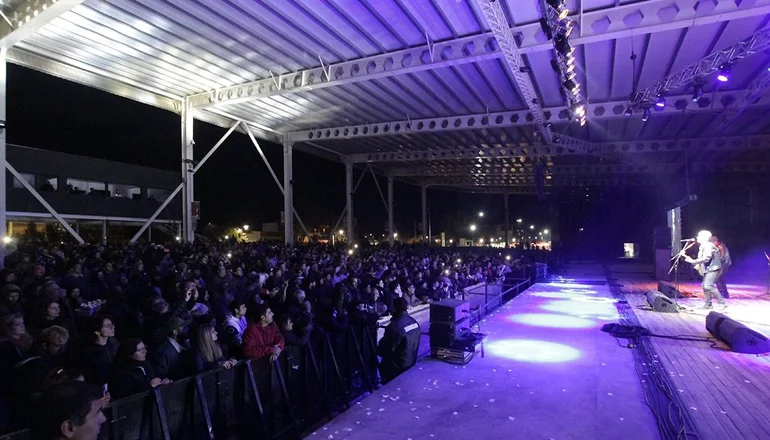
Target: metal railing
{"points": [[256, 398]]}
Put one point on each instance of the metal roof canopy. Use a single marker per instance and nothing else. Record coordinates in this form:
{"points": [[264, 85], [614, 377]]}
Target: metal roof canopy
{"points": [[386, 82]]}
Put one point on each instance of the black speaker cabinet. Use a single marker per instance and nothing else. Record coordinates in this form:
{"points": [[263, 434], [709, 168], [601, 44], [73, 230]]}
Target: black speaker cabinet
{"points": [[660, 302], [669, 289], [449, 310], [444, 334], [740, 338]]}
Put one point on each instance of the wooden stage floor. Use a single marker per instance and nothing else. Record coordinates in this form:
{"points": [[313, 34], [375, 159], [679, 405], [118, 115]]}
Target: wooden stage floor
{"points": [[726, 394]]}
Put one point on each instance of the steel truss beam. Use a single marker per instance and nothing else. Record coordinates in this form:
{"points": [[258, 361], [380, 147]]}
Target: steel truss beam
{"points": [[599, 25], [30, 16], [607, 149], [730, 114], [498, 23], [499, 181], [579, 170], [706, 66], [518, 118]]}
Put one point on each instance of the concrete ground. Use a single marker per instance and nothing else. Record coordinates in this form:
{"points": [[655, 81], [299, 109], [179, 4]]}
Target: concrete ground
{"points": [[548, 373]]}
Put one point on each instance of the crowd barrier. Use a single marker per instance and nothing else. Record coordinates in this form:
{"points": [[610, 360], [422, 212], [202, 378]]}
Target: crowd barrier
{"points": [[254, 399], [280, 399]]}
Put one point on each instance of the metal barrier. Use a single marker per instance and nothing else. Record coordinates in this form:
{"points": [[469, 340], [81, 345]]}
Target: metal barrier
{"points": [[277, 399], [256, 398]]}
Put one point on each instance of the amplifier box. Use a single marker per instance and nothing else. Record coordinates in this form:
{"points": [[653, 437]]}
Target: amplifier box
{"points": [[449, 310], [444, 334]]}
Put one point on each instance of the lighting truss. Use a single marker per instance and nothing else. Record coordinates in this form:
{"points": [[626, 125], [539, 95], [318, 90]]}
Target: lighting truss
{"points": [[558, 26], [498, 24], [731, 113], [706, 66]]}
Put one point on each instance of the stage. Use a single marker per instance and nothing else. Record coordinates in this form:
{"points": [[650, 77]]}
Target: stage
{"points": [[725, 393], [548, 373]]}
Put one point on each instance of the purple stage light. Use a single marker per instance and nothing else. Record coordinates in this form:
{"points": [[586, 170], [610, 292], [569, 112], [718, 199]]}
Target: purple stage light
{"points": [[578, 308], [551, 320], [569, 285], [533, 351], [724, 73]]}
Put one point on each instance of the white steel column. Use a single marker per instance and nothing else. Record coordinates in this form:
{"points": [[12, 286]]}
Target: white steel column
{"points": [[349, 200], [424, 228], [288, 192], [391, 226], [188, 195], [3, 178]]}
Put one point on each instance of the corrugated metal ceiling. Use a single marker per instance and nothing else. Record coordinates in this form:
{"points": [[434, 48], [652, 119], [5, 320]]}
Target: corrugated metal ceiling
{"points": [[162, 51]]}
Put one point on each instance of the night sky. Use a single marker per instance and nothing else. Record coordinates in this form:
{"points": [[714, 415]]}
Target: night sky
{"points": [[234, 187]]}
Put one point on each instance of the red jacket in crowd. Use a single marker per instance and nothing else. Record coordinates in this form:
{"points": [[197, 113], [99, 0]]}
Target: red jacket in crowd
{"points": [[258, 341]]}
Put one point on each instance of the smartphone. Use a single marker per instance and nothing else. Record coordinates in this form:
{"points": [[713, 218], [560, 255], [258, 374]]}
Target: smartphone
{"points": [[105, 391]]}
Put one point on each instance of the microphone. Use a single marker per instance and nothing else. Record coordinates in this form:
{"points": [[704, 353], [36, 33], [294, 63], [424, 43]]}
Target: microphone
{"points": [[687, 239]]}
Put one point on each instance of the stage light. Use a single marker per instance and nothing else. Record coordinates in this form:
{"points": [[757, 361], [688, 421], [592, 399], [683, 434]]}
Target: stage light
{"points": [[724, 73], [562, 45], [646, 114], [518, 220], [355, 246], [552, 320], [508, 258], [227, 237], [628, 112], [563, 14], [245, 227], [697, 92], [350, 251], [459, 260], [532, 227], [481, 214], [661, 102], [472, 227], [7, 240], [532, 350], [229, 255], [178, 238]]}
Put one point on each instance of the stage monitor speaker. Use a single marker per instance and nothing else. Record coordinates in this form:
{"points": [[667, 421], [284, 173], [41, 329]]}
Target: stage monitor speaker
{"points": [[660, 302], [740, 338], [669, 290], [449, 310]]}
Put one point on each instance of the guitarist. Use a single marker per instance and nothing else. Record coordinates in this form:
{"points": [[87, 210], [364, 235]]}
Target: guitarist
{"points": [[709, 265], [724, 256]]}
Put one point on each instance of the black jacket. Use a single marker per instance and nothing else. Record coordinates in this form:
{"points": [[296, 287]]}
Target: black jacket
{"points": [[96, 359], [129, 379], [398, 346]]}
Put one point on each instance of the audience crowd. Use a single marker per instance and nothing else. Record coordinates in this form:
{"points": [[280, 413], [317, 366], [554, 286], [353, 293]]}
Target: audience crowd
{"points": [[130, 318]]}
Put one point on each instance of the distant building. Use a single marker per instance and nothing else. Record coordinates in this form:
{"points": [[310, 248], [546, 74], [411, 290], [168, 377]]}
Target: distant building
{"points": [[106, 197]]}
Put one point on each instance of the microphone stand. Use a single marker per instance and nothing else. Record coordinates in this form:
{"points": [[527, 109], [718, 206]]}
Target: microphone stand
{"points": [[675, 268]]}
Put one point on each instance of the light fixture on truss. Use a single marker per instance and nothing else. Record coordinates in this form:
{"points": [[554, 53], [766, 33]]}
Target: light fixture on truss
{"points": [[558, 27]]}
